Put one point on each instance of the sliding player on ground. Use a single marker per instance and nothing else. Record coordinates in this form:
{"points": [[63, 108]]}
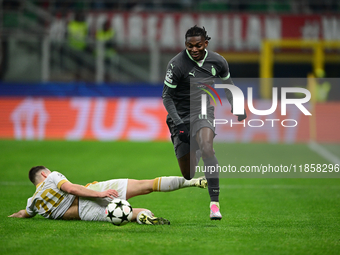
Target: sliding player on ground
{"points": [[57, 198]]}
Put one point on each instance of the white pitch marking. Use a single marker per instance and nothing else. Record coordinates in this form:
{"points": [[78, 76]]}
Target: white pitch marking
{"points": [[323, 152]]}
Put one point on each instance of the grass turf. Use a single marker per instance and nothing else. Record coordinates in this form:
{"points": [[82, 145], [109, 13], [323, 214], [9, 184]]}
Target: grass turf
{"points": [[260, 216]]}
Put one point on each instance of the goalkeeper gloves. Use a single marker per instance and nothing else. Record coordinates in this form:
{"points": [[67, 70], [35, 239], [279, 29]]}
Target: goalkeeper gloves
{"points": [[183, 133]]}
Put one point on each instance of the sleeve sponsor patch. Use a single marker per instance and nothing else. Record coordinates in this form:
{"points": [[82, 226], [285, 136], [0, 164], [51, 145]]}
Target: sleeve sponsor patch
{"points": [[168, 76]]}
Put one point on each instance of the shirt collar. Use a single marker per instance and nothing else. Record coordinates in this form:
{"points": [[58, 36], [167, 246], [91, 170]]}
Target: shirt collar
{"points": [[39, 184], [200, 64]]}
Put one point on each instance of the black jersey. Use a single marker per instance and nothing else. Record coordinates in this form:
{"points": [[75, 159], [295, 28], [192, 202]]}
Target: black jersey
{"points": [[185, 79]]}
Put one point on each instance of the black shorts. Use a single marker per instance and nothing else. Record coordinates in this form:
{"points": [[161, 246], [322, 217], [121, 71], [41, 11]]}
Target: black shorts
{"points": [[196, 123]]}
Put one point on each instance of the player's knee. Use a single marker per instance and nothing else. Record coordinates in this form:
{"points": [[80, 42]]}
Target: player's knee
{"points": [[186, 174], [207, 151], [187, 177], [147, 186]]}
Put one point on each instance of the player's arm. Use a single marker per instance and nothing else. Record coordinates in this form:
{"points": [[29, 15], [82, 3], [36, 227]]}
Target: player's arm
{"points": [[183, 132], [169, 104], [20, 214], [169, 90], [81, 191]]}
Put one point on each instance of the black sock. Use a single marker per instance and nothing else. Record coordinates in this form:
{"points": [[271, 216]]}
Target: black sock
{"points": [[210, 165]]}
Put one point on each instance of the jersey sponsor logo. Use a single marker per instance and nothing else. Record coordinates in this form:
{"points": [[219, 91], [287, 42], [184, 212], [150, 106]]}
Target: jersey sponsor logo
{"points": [[213, 71], [192, 73], [169, 73], [168, 76], [168, 79]]}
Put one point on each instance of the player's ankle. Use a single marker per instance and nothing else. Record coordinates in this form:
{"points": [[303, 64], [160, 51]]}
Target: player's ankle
{"points": [[215, 203], [146, 212]]}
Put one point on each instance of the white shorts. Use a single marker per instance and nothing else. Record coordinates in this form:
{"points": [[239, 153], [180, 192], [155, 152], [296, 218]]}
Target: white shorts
{"points": [[93, 209]]}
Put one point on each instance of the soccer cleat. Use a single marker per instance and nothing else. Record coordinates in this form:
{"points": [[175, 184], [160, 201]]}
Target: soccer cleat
{"points": [[201, 182], [215, 211], [151, 220]]}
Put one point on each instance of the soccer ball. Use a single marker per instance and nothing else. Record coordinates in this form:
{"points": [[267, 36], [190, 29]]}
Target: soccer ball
{"points": [[118, 212]]}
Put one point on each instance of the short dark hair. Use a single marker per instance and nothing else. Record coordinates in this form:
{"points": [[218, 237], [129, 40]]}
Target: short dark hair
{"points": [[197, 31], [32, 174]]}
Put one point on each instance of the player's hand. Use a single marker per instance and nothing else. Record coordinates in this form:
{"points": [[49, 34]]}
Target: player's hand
{"points": [[111, 193], [20, 214], [183, 133], [15, 215]]}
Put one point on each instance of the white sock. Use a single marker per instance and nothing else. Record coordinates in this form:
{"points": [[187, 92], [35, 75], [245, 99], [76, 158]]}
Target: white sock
{"points": [[170, 183]]}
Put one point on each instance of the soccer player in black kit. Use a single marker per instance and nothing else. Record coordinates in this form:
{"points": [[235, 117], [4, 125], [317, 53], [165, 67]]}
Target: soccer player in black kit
{"points": [[191, 133]]}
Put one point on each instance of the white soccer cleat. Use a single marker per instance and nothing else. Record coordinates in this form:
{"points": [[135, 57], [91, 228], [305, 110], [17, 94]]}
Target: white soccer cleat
{"points": [[147, 219], [215, 213], [201, 182]]}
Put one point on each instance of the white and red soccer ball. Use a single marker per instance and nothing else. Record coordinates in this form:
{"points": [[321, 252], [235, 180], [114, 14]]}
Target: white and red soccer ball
{"points": [[118, 212]]}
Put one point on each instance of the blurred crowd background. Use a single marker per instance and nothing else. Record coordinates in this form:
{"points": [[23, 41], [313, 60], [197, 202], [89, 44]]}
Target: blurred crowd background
{"points": [[296, 6], [116, 41]]}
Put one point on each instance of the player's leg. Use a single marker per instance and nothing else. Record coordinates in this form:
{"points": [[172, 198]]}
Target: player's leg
{"points": [[187, 164], [138, 187], [185, 154], [162, 184], [187, 158], [136, 211], [204, 138], [94, 210], [171, 183]]}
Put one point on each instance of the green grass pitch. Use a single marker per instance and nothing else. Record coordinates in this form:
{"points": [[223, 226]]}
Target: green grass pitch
{"points": [[260, 215]]}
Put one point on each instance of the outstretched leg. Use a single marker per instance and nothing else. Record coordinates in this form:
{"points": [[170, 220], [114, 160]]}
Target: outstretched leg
{"points": [[138, 187], [162, 184]]}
